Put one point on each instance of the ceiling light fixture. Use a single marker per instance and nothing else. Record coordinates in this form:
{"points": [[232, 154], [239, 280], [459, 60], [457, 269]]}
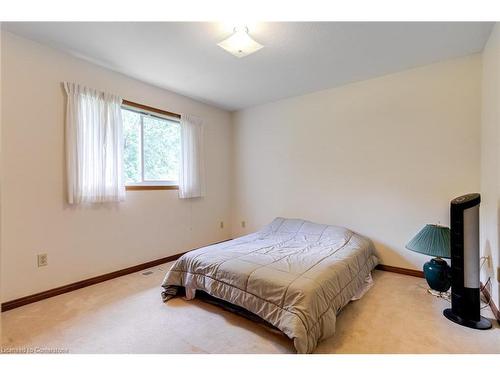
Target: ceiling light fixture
{"points": [[240, 44]]}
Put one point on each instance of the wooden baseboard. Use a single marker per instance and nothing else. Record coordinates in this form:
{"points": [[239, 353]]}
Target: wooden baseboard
{"points": [[494, 308], [9, 305], [403, 271], [416, 273]]}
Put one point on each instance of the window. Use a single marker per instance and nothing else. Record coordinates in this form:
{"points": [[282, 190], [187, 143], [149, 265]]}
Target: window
{"points": [[151, 149]]}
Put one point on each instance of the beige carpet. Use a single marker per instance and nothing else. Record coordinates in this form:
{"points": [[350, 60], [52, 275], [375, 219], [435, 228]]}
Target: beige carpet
{"points": [[126, 315]]}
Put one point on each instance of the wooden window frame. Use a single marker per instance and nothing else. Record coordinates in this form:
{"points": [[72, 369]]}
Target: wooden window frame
{"points": [[150, 109], [146, 108], [151, 187]]}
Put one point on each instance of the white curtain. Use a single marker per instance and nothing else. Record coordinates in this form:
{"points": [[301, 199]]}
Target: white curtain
{"points": [[94, 146], [192, 170]]}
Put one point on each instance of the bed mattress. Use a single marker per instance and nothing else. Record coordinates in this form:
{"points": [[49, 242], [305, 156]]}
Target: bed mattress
{"points": [[294, 274]]}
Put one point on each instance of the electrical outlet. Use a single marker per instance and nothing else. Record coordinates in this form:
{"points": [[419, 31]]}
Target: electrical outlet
{"points": [[221, 225], [243, 224], [43, 260]]}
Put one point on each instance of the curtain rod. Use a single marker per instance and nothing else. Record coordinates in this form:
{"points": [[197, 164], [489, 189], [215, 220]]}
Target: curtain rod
{"points": [[151, 109]]}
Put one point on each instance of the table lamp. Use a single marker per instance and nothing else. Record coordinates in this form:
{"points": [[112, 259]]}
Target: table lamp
{"points": [[434, 240]]}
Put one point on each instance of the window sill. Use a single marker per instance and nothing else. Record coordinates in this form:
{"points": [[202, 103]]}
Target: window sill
{"points": [[151, 187]]}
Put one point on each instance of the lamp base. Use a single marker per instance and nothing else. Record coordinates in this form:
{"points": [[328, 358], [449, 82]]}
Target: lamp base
{"points": [[482, 323], [438, 274]]}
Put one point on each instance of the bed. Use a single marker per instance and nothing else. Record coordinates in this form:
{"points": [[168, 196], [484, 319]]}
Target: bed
{"points": [[294, 274]]}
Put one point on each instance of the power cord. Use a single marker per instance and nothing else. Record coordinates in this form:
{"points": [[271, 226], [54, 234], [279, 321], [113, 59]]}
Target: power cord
{"points": [[484, 260], [447, 295], [487, 303], [444, 295]]}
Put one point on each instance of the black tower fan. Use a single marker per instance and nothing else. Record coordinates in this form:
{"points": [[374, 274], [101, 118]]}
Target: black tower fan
{"points": [[464, 242]]}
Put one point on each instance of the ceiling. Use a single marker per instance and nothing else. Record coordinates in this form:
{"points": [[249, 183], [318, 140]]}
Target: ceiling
{"points": [[298, 57]]}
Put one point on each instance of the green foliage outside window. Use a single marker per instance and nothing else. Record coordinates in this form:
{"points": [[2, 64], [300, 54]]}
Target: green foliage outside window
{"points": [[159, 145]]}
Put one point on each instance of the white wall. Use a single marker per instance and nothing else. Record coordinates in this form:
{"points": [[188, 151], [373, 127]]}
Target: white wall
{"points": [[490, 159], [1, 179], [382, 157], [84, 242]]}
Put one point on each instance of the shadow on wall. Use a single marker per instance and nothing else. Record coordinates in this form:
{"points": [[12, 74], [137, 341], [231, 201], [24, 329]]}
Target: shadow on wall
{"points": [[395, 255]]}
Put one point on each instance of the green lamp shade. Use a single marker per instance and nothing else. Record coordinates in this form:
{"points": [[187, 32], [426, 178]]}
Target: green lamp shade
{"points": [[432, 240]]}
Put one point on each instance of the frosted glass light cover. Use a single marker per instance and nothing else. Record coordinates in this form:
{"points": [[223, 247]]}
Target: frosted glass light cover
{"points": [[240, 44]]}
